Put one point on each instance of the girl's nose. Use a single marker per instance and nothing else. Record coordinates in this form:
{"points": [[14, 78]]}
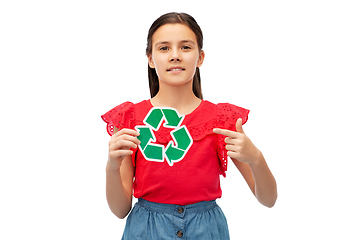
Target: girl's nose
{"points": [[175, 60], [175, 57]]}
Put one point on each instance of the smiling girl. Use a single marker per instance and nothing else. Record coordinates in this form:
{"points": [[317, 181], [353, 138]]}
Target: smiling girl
{"points": [[177, 195]]}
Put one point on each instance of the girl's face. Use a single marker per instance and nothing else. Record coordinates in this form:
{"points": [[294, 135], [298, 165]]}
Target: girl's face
{"points": [[175, 54]]}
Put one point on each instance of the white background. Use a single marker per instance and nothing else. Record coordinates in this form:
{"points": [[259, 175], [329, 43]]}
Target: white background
{"points": [[294, 64]]}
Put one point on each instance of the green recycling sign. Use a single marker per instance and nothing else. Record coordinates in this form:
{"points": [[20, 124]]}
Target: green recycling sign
{"points": [[176, 149]]}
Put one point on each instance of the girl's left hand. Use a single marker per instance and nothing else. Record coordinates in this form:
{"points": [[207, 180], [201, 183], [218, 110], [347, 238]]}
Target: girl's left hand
{"points": [[239, 145]]}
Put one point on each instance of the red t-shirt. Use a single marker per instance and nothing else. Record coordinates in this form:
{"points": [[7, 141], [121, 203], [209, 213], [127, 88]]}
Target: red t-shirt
{"points": [[197, 176]]}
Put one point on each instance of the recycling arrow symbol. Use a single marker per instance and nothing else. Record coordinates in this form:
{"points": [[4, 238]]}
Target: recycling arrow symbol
{"points": [[176, 149]]}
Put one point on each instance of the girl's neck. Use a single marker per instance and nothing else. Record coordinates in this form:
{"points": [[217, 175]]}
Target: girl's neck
{"points": [[182, 98]]}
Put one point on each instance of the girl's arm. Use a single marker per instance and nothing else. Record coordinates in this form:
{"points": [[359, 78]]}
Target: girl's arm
{"points": [[251, 163], [260, 180], [120, 171]]}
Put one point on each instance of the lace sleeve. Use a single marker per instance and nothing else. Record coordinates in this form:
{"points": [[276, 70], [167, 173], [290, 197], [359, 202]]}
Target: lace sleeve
{"points": [[227, 115], [121, 116]]}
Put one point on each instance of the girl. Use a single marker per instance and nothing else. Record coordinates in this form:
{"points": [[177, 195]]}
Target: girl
{"points": [[175, 169]]}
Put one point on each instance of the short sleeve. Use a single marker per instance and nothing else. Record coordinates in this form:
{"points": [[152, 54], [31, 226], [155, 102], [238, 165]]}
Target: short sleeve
{"points": [[227, 115], [121, 116]]}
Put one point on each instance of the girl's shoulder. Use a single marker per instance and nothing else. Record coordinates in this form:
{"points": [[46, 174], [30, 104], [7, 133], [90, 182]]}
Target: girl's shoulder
{"points": [[125, 114], [226, 112], [208, 116]]}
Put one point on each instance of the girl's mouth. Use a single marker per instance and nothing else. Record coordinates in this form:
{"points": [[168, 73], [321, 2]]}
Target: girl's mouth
{"points": [[175, 69]]}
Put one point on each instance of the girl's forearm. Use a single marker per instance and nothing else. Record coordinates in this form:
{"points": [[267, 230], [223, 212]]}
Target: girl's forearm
{"points": [[265, 184], [118, 199]]}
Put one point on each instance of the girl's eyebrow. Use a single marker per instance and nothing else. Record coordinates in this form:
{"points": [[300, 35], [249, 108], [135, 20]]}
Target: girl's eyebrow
{"points": [[188, 41], [182, 42]]}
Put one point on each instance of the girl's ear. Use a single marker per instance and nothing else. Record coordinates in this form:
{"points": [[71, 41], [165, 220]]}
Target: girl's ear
{"points": [[201, 58], [151, 63]]}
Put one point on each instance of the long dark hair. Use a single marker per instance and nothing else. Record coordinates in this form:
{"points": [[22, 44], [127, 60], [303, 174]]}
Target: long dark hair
{"points": [[181, 18]]}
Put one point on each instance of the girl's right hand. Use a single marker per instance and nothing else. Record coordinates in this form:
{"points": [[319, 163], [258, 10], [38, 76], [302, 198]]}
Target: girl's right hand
{"points": [[119, 146]]}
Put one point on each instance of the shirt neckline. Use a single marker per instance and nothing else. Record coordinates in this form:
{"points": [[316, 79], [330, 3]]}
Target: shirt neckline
{"points": [[193, 112]]}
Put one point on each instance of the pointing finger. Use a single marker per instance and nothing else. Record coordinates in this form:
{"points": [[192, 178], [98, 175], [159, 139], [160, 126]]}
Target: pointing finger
{"points": [[225, 132]]}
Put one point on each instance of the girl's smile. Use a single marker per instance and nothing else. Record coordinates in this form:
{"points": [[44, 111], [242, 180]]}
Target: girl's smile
{"points": [[176, 69]]}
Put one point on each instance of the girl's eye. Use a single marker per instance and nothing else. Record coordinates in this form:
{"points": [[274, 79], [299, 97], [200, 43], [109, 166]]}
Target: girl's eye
{"points": [[186, 47], [164, 48]]}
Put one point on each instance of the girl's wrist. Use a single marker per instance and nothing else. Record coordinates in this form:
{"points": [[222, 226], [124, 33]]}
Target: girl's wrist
{"points": [[258, 160], [111, 167]]}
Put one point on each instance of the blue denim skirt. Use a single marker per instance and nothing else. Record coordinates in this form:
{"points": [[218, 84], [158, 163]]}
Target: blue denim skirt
{"points": [[156, 221]]}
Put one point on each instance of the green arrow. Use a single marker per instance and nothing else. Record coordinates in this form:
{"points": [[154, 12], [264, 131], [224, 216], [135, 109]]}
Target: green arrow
{"points": [[173, 154], [154, 118], [183, 143], [145, 136], [154, 152], [182, 138], [172, 117], [151, 152]]}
